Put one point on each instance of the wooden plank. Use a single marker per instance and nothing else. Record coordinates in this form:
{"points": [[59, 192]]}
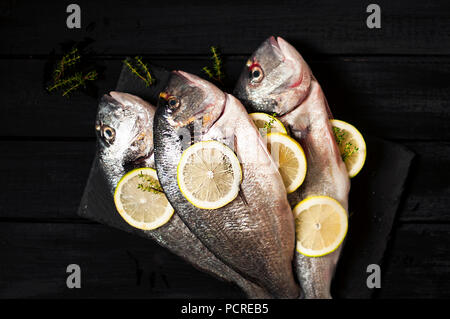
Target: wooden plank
{"points": [[116, 264], [394, 98], [51, 177], [32, 111], [419, 263], [174, 27], [43, 179], [113, 264], [428, 188]]}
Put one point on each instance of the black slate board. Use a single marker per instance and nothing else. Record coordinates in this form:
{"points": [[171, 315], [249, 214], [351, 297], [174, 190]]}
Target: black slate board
{"points": [[375, 195], [374, 199]]}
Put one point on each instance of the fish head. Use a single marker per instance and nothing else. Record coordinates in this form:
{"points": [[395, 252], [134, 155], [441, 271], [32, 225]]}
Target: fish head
{"points": [[190, 99], [275, 79], [124, 128]]}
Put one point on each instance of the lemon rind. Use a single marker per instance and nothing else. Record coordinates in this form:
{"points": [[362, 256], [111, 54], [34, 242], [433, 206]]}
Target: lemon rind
{"points": [[149, 226], [353, 129], [344, 233], [303, 156], [280, 124], [182, 159]]}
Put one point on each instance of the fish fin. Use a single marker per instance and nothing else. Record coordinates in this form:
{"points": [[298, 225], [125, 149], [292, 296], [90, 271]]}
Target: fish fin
{"points": [[299, 133], [242, 196], [241, 192], [192, 133]]}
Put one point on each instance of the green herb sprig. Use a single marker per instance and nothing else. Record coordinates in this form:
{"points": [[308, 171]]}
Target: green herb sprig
{"points": [[149, 184], [68, 60], [339, 135], [268, 125], [348, 149], [64, 78], [216, 73], [140, 69], [73, 82]]}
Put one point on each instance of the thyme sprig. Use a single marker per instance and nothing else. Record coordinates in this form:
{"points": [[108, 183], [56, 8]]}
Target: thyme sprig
{"points": [[68, 60], [339, 135], [268, 125], [216, 73], [149, 184], [208, 72], [140, 69], [64, 78], [73, 82], [347, 149]]}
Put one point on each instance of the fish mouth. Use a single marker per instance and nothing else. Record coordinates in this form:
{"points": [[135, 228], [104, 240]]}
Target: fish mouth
{"points": [[128, 101], [280, 46], [284, 49], [125, 101], [136, 163], [207, 120], [186, 76], [141, 159], [119, 99], [191, 82], [276, 47]]}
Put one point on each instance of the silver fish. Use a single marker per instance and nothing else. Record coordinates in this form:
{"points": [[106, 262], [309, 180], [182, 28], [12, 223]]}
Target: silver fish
{"points": [[276, 79], [254, 234], [124, 129]]}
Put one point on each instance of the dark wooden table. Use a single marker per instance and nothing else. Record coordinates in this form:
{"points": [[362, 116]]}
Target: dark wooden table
{"points": [[391, 82]]}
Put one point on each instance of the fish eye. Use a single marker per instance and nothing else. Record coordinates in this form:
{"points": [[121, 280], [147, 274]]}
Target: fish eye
{"points": [[173, 102], [108, 133], [256, 74]]}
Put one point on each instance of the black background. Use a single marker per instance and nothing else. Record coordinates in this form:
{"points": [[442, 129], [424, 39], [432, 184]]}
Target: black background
{"points": [[391, 82]]}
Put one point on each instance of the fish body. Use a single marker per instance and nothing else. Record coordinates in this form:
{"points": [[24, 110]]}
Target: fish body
{"points": [[254, 234], [124, 128], [284, 84]]}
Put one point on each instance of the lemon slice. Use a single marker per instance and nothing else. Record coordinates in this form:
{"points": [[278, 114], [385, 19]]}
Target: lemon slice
{"points": [[267, 123], [321, 225], [291, 160], [209, 175], [351, 145], [140, 200]]}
